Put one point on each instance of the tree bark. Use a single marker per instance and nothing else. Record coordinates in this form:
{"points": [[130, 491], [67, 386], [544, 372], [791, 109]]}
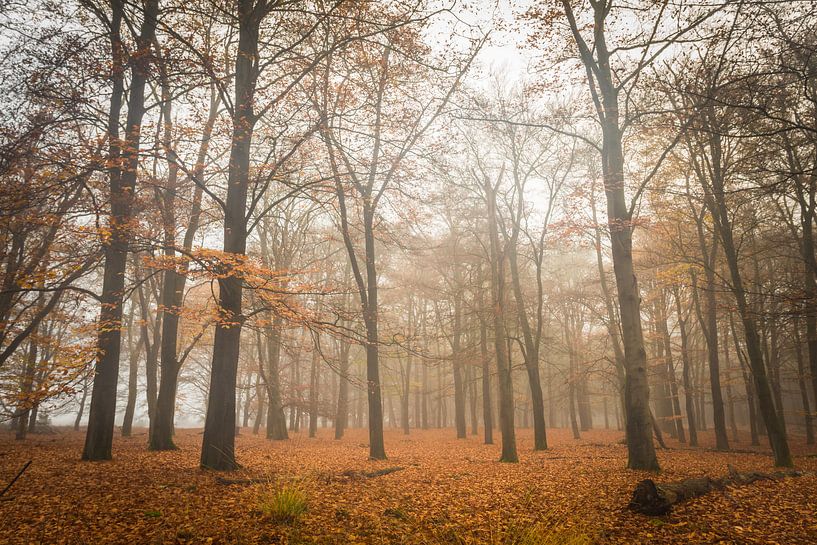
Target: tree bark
{"points": [[640, 448], [687, 377], [218, 445], [122, 184], [503, 364], [173, 285]]}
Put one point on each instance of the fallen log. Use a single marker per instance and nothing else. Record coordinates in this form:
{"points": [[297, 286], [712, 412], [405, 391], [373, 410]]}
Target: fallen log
{"points": [[650, 498], [370, 474], [257, 480], [349, 474]]}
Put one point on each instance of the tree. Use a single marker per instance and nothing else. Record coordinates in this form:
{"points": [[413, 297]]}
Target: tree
{"points": [[368, 141], [123, 158], [605, 84]]}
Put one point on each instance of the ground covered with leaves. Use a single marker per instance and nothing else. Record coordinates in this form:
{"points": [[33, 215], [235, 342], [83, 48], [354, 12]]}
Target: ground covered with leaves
{"points": [[432, 489]]}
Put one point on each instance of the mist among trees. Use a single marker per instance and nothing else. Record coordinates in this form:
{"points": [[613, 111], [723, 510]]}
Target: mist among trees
{"points": [[408, 271]]}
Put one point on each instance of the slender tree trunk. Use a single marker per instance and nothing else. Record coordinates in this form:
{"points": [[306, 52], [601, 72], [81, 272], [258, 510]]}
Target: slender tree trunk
{"points": [[151, 349], [801, 383], [472, 398], [661, 383], [709, 326], [425, 397], [571, 383], [313, 388], [133, 374], [261, 394], [808, 207], [78, 419], [406, 395], [673, 383], [456, 356], [342, 416], [750, 390], [531, 347], [487, 410], [173, 285], [248, 397], [24, 411], [503, 363], [730, 398], [687, 377], [774, 428]]}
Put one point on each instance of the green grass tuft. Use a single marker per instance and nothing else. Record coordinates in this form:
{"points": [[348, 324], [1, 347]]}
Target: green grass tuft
{"points": [[286, 504]]}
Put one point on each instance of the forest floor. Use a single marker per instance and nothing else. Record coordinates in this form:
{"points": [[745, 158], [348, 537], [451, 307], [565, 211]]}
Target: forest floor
{"points": [[448, 491]]}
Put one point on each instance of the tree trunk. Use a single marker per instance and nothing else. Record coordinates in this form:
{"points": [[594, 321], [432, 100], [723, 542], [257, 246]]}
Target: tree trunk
{"points": [[650, 498], [673, 383], [406, 395], [313, 387], [173, 285], [377, 449], [730, 398], [218, 445], [342, 415], [487, 411], [276, 420], [24, 410], [78, 419], [456, 356], [801, 383], [531, 347], [709, 326], [503, 364], [687, 378], [774, 428], [133, 374], [99, 435], [261, 394], [640, 448], [750, 390]]}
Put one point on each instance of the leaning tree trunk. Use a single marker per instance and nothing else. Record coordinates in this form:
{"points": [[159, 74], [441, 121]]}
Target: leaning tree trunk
{"points": [[709, 327], [531, 353], [774, 428], [78, 419]]}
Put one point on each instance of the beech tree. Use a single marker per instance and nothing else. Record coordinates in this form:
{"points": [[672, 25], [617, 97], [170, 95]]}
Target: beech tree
{"points": [[123, 157]]}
